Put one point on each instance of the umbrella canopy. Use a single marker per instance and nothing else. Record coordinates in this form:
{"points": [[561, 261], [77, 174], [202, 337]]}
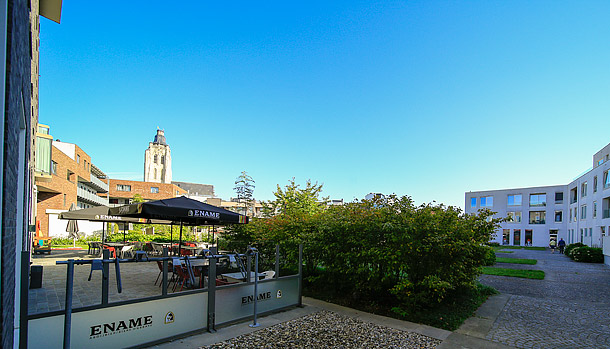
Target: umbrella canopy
{"points": [[72, 227], [102, 214], [180, 210]]}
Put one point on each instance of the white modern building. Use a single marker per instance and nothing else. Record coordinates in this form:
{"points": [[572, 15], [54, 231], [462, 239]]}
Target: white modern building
{"points": [[576, 212]]}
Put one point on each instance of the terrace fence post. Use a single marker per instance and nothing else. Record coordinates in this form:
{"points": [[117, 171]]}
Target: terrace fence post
{"points": [[23, 316], [300, 275], [212, 295], [277, 261], [105, 277], [164, 288], [68, 307]]}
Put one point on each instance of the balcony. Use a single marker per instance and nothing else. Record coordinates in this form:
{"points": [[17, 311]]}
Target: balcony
{"points": [[98, 184], [42, 159], [89, 197]]}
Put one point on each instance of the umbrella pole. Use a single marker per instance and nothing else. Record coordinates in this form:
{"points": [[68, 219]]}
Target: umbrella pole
{"points": [[123, 233], [180, 244], [171, 237], [104, 231]]}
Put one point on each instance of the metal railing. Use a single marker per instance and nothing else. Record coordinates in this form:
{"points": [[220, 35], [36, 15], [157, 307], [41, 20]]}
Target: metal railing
{"points": [[211, 255], [93, 198], [101, 186]]}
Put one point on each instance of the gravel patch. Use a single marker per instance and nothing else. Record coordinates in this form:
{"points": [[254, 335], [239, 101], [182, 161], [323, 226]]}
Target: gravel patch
{"points": [[326, 329]]}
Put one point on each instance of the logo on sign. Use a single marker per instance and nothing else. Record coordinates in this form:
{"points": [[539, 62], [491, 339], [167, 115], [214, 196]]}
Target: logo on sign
{"points": [[204, 214], [278, 294], [190, 213], [169, 318], [261, 297], [121, 326]]}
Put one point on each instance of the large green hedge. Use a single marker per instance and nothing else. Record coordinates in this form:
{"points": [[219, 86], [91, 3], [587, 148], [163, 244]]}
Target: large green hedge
{"points": [[387, 249], [587, 254]]}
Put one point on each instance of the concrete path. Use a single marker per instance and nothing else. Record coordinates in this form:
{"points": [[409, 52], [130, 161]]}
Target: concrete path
{"points": [[570, 308]]}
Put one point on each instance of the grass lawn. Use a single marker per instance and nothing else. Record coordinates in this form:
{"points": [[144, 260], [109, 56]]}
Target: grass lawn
{"points": [[535, 248], [528, 274], [502, 251], [515, 260]]}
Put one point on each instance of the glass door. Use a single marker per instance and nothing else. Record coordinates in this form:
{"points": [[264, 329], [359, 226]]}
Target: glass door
{"points": [[517, 237]]}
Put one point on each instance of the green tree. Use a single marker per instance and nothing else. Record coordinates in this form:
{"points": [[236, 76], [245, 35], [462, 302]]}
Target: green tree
{"points": [[294, 200], [244, 187]]}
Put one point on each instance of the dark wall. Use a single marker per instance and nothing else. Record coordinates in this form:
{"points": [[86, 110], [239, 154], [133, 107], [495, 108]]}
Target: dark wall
{"points": [[17, 97]]}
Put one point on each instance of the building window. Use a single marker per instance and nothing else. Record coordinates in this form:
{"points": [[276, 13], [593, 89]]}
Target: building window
{"points": [[155, 159], [594, 209], [53, 167], [573, 195], [595, 184], [583, 212], [154, 190], [558, 216], [113, 201], [606, 180], [155, 177], [514, 217], [575, 218], [473, 201], [487, 201], [559, 197], [583, 189], [514, 200], [537, 199], [537, 217], [162, 159], [69, 175], [123, 187], [64, 200], [78, 159]]}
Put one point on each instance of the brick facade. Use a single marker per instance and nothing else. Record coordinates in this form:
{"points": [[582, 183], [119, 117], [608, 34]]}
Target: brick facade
{"points": [[166, 190], [17, 112], [61, 191]]}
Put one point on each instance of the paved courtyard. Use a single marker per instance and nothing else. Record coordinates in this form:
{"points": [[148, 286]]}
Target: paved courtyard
{"points": [[137, 282], [570, 308]]}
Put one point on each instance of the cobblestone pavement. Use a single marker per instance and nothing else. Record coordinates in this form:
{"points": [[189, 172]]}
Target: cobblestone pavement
{"points": [[137, 280], [570, 308]]}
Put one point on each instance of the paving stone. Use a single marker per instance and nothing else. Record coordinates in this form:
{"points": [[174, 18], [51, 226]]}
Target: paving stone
{"points": [[569, 309]]}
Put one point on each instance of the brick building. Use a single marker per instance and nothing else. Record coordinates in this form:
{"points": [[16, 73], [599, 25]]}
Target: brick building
{"points": [[19, 95], [122, 191], [74, 180]]}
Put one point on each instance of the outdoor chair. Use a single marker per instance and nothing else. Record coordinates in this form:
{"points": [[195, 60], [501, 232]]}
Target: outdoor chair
{"points": [[157, 249], [112, 251], [183, 277], [127, 251], [169, 270], [269, 274]]}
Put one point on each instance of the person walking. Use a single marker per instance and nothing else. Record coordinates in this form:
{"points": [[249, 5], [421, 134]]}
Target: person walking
{"points": [[552, 245], [562, 245]]}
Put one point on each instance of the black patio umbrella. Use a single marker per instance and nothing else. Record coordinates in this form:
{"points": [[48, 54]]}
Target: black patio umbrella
{"points": [[72, 227], [102, 214], [180, 210]]}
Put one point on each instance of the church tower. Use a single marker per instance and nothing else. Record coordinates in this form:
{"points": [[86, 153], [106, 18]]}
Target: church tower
{"points": [[158, 160]]}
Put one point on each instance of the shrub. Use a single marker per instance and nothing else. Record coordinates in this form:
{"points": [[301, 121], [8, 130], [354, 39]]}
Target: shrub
{"points": [[568, 250], [588, 254], [490, 257], [386, 250], [493, 244]]}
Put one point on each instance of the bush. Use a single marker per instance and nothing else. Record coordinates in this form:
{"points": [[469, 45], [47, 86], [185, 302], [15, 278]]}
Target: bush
{"points": [[493, 244], [568, 250], [588, 254], [490, 257], [383, 251]]}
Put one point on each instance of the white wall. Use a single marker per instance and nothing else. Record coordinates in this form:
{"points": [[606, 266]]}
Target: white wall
{"points": [[57, 227]]}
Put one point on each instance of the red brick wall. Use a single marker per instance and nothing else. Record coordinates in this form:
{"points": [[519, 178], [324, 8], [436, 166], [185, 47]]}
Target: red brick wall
{"points": [[166, 190]]}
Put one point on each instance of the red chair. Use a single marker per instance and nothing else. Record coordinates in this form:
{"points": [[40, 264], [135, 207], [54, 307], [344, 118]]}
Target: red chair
{"points": [[184, 252], [112, 251], [183, 277]]}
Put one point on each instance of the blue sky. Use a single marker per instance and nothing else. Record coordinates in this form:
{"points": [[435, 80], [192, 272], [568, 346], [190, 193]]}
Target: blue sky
{"points": [[423, 98]]}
